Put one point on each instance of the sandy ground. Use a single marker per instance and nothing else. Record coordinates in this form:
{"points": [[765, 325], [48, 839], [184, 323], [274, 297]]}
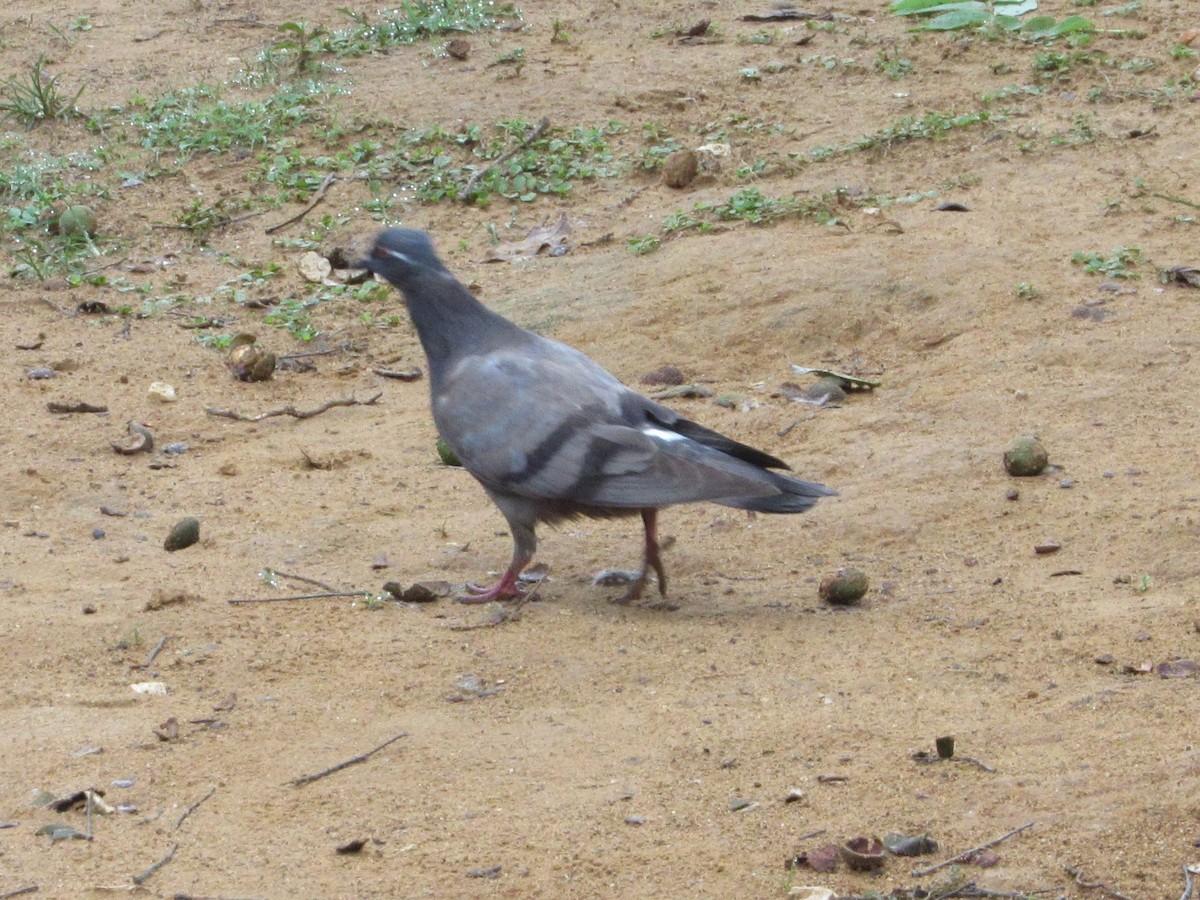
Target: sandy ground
{"points": [[586, 749]]}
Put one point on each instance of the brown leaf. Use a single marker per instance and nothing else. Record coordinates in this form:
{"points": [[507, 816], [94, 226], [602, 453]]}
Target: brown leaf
{"points": [[823, 859], [546, 238], [168, 730]]}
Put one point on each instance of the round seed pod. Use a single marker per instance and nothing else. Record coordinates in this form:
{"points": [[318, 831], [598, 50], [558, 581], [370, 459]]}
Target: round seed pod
{"points": [[843, 587], [77, 222], [1026, 457]]}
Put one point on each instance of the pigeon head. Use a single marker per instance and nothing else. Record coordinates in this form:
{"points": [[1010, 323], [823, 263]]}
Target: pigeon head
{"points": [[401, 255]]}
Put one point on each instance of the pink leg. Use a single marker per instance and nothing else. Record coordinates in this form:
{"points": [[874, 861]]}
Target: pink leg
{"points": [[650, 560], [504, 589]]}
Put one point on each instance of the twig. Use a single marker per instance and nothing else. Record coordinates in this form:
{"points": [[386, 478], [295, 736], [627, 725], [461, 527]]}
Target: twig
{"points": [[504, 157], [304, 580], [320, 195], [17, 892], [966, 854], [978, 762], [1188, 884], [290, 410], [1077, 873], [811, 834], [325, 596], [149, 873], [1174, 199], [362, 757], [191, 809], [162, 642]]}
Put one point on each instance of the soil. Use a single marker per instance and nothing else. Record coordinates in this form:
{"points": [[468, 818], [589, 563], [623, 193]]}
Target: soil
{"points": [[582, 748]]}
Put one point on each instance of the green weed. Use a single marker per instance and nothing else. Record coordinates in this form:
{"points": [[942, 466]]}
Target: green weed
{"points": [[1118, 264], [34, 97]]}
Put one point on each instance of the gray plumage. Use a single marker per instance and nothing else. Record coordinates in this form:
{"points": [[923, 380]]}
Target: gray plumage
{"points": [[550, 435]]}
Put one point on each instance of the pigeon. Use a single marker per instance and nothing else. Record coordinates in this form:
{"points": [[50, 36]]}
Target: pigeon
{"points": [[551, 436]]}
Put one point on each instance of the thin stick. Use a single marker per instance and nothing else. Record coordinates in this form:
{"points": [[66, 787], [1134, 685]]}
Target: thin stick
{"points": [[191, 809], [304, 580], [966, 854], [290, 410], [329, 179], [325, 596], [1077, 873], [1187, 883], [162, 642], [17, 892], [504, 157], [811, 834], [977, 762], [149, 873], [362, 757]]}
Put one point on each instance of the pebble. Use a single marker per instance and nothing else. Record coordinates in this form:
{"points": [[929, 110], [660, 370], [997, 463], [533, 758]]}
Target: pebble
{"points": [[41, 373], [1043, 548], [1067, 483], [184, 533], [123, 783], [176, 448], [635, 820], [97, 534]]}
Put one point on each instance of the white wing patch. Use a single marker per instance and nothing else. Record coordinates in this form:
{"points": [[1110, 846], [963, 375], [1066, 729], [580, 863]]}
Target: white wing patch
{"points": [[662, 434]]}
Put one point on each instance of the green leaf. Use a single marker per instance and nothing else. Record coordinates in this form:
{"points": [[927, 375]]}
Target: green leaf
{"points": [[1015, 7], [1040, 24], [949, 21], [923, 7], [1007, 23], [1073, 24]]}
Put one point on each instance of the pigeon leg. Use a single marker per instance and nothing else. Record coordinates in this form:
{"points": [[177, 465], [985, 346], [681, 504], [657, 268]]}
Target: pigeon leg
{"points": [[651, 560], [524, 544]]}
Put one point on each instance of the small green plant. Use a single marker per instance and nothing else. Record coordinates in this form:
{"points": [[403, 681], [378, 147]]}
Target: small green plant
{"points": [[304, 43], [990, 15], [514, 59], [560, 35], [645, 244], [1117, 264], [764, 38], [34, 97], [892, 64], [1025, 291]]}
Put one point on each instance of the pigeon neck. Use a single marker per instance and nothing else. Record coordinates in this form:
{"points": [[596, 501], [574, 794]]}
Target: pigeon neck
{"points": [[449, 320]]}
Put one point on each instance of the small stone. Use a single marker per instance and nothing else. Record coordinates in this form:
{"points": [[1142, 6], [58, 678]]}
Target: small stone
{"points": [[732, 400], [459, 48], [175, 448], [827, 390], [1044, 548], [843, 587], [793, 795], [1067, 483], [97, 534], [1105, 659], [663, 375], [89, 609], [738, 804], [1026, 457], [41, 373], [162, 391], [635, 820], [1012, 494], [185, 533], [680, 169], [945, 746]]}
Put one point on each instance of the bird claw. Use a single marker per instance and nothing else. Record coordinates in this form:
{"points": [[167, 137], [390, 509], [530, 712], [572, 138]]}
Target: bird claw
{"points": [[501, 590]]}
